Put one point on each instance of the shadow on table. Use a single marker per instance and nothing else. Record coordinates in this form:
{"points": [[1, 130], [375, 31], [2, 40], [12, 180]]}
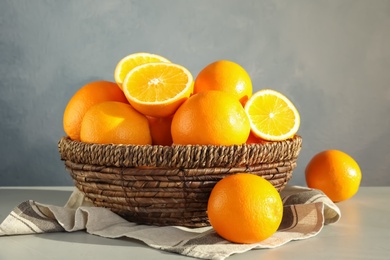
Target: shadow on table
{"points": [[81, 239]]}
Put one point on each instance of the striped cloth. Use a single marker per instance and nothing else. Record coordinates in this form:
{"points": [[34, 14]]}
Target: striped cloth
{"points": [[306, 211]]}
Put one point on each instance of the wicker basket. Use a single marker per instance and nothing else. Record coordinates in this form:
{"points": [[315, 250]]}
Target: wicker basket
{"points": [[169, 185]]}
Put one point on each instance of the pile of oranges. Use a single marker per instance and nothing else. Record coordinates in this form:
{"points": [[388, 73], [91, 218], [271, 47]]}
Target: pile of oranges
{"points": [[154, 101]]}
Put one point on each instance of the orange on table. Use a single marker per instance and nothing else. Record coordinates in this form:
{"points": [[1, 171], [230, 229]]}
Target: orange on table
{"points": [[126, 64], [335, 173], [160, 130], [226, 76], [115, 123], [210, 118], [87, 96], [245, 208], [158, 89], [272, 115]]}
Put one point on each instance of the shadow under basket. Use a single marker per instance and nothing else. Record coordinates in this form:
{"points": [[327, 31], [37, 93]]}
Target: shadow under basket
{"points": [[170, 185]]}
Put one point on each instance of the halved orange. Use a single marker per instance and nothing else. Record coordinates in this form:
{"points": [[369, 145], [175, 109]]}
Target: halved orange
{"points": [[158, 89], [131, 61], [272, 115]]}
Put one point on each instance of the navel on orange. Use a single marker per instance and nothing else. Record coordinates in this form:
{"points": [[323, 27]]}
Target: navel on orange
{"points": [[158, 89], [335, 173], [126, 64], [210, 118], [224, 75], [272, 115], [245, 208], [114, 123], [87, 96]]}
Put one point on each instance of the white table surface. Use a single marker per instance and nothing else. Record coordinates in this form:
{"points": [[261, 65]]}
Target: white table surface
{"points": [[363, 232]]}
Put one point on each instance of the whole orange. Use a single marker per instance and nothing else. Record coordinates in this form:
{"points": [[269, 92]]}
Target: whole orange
{"points": [[87, 96], [113, 122], [210, 118], [245, 208], [226, 76], [335, 173], [160, 130]]}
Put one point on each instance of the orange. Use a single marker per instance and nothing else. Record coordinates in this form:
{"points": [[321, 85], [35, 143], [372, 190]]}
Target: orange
{"points": [[245, 208], [126, 64], [158, 89], [226, 76], [114, 123], [252, 139], [160, 130], [335, 173], [272, 115], [210, 118], [87, 96]]}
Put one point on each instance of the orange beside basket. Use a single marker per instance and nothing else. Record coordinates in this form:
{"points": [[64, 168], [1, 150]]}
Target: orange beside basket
{"points": [[170, 185]]}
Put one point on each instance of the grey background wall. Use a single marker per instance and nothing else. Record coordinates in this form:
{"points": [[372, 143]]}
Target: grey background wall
{"points": [[331, 58]]}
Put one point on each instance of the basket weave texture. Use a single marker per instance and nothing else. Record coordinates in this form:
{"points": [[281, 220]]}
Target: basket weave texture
{"points": [[170, 185]]}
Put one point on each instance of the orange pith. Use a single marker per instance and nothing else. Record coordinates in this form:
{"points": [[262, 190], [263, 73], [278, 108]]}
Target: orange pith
{"points": [[158, 89], [272, 115], [126, 64]]}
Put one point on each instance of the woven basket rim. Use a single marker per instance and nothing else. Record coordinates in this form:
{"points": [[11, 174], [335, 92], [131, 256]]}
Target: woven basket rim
{"points": [[178, 156]]}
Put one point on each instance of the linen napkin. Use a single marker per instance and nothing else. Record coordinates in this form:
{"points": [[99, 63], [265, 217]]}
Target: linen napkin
{"points": [[306, 211]]}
